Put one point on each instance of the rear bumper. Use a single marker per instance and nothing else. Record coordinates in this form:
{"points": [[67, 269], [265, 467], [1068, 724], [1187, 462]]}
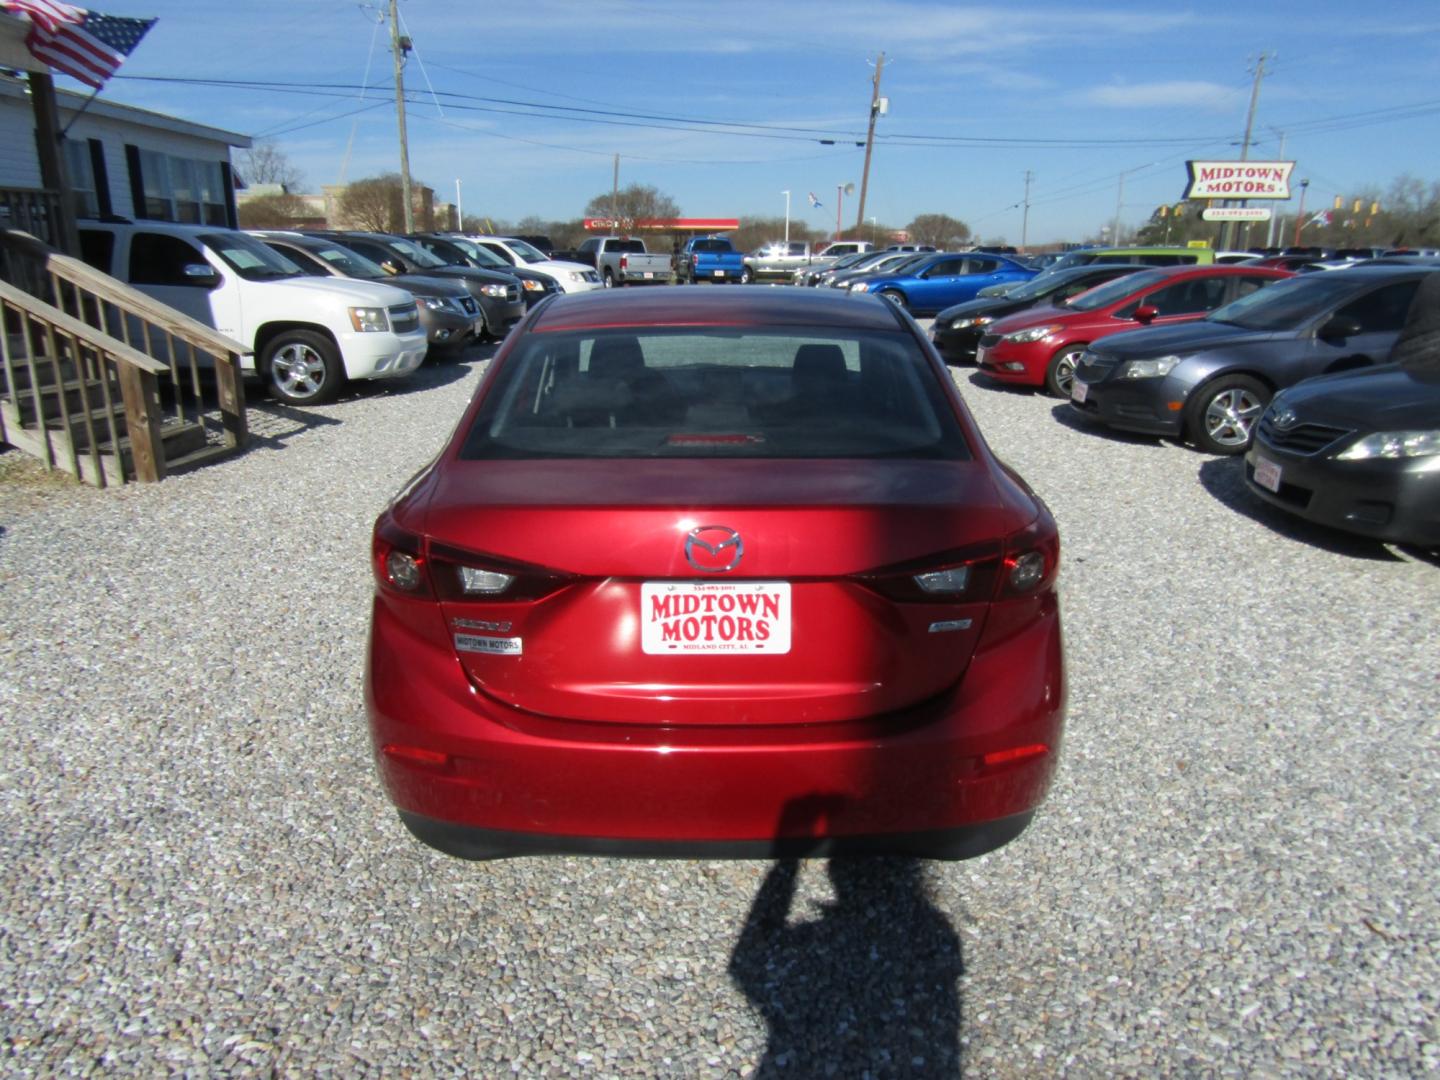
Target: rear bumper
{"points": [[480, 780], [717, 273], [468, 842]]}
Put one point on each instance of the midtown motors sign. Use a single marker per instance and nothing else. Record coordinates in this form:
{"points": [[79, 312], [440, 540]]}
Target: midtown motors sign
{"points": [[1239, 179]]}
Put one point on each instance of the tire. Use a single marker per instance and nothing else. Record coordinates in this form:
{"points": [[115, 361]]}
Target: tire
{"points": [[302, 367], [609, 279], [1221, 415], [895, 297], [747, 276], [1060, 372]]}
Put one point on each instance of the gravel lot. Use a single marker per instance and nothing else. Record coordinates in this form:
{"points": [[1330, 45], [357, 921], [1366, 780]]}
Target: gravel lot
{"points": [[1235, 875]]}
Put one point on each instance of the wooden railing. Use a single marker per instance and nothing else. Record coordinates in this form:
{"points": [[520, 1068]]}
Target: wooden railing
{"points": [[32, 210], [106, 383]]}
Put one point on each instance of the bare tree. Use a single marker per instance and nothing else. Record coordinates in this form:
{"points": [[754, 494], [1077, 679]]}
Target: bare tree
{"points": [[376, 204], [280, 211], [266, 163], [638, 202], [941, 230]]}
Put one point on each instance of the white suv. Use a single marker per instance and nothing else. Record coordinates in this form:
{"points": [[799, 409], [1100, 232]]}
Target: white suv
{"points": [[570, 276], [305, 335]]}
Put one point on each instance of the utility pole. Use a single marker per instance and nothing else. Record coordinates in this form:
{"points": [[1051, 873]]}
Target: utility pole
{"points": [[1273, 230], [615, 197], [400, 46], [1025, 218], [1227, 231], [875, 106], [1119, 202]]}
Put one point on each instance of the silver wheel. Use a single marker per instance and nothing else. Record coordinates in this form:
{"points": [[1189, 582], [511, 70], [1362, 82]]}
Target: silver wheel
{"points": [[302, 367], [1060, 375], [1230, 417], [1221, 417]]}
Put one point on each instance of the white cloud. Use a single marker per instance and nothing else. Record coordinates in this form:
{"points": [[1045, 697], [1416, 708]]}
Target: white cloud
{"points": [[1154, 95]]}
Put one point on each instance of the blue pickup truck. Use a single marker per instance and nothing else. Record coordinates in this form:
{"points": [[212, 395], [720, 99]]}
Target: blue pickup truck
{"points": [[710, 258]]}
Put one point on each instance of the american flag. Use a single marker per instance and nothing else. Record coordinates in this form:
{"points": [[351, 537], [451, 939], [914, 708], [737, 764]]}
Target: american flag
{"points": [[814, 201], [85, 45]]}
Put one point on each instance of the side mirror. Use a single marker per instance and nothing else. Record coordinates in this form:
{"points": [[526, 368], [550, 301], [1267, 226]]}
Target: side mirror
{"points": [[1338, 328], [201, 274], [1146, 313]]}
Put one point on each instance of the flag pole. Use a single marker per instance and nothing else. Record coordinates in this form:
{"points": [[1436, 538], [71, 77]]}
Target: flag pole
{"points": [[83, 106]]}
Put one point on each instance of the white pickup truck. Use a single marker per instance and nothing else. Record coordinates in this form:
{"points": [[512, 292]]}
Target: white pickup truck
{"points": [[305, 335], [623, 260]]}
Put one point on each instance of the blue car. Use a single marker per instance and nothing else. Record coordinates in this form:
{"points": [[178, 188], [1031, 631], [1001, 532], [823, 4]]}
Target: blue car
{"points": [[928, 285]]}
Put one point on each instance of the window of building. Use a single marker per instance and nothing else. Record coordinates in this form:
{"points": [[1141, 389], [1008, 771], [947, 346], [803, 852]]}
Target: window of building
{"points": [[81, 170], [182, 189]]}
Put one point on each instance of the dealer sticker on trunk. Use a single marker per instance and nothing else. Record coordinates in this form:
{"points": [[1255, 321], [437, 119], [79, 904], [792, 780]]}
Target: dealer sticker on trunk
{"points": [[736, 617], [497, 646]]}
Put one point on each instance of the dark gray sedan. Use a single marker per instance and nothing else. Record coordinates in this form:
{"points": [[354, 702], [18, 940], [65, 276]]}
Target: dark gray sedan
{"points": [[1359, 451], [1209, 381]]}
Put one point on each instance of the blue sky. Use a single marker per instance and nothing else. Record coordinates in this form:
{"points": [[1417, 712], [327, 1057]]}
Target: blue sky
{"points": [[1157, 82]]}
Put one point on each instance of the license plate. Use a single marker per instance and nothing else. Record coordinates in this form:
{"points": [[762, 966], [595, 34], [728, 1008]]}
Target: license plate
{"points": [[1267, 475], [649, 273], [719, 273], [1079, 391], [706, 617], [980, 351]]}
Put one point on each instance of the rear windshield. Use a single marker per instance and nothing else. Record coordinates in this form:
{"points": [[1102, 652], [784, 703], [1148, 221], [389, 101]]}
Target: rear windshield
{"points": [[714, 392], [1118, 289], [630, 247], [711, 245], [1286, 305]]}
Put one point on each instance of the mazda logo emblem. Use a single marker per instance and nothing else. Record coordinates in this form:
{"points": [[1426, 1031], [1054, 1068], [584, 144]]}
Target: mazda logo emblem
{"points": [[713, 549]]}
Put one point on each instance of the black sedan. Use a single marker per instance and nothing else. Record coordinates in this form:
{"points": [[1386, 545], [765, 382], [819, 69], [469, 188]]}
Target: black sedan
{"points": [[499, 295], [458, 251], [1358, 451], [958, 330]]}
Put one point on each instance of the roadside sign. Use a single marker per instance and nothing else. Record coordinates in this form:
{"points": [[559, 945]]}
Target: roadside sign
{"points": [[1239, 179], [1236, 213]]}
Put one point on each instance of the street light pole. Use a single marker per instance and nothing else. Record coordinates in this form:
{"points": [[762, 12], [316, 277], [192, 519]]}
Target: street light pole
{"points": [[839, 202], [787, 215], [1300, 217], [459, 212]]}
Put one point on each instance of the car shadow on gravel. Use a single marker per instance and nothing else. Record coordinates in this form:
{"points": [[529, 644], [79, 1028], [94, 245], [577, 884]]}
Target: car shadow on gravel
{"points": [[1066, 415], [1224, 479], [982, 381], [871, 987]]}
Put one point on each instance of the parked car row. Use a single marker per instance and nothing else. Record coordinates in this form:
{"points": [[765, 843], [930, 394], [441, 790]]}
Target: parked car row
{"points": [[1299, 372]]}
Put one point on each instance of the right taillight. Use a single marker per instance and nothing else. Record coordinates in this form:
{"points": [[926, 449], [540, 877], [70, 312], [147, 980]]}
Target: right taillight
{"points": [[1025, 565], [1031, 560]]}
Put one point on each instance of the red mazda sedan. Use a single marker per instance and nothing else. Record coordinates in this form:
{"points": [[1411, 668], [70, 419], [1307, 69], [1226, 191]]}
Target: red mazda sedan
{"points": [[1039, 346], [721, 573]]}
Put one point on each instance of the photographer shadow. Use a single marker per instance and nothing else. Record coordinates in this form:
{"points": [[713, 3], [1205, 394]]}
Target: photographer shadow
{"points": [[870, 987]]}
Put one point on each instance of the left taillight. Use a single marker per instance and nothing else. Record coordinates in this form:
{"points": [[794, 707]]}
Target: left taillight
{"points": [[398, 559]]}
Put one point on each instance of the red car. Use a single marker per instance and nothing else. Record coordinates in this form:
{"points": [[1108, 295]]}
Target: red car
{"points": [[1040, 347], [716, 573]]}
